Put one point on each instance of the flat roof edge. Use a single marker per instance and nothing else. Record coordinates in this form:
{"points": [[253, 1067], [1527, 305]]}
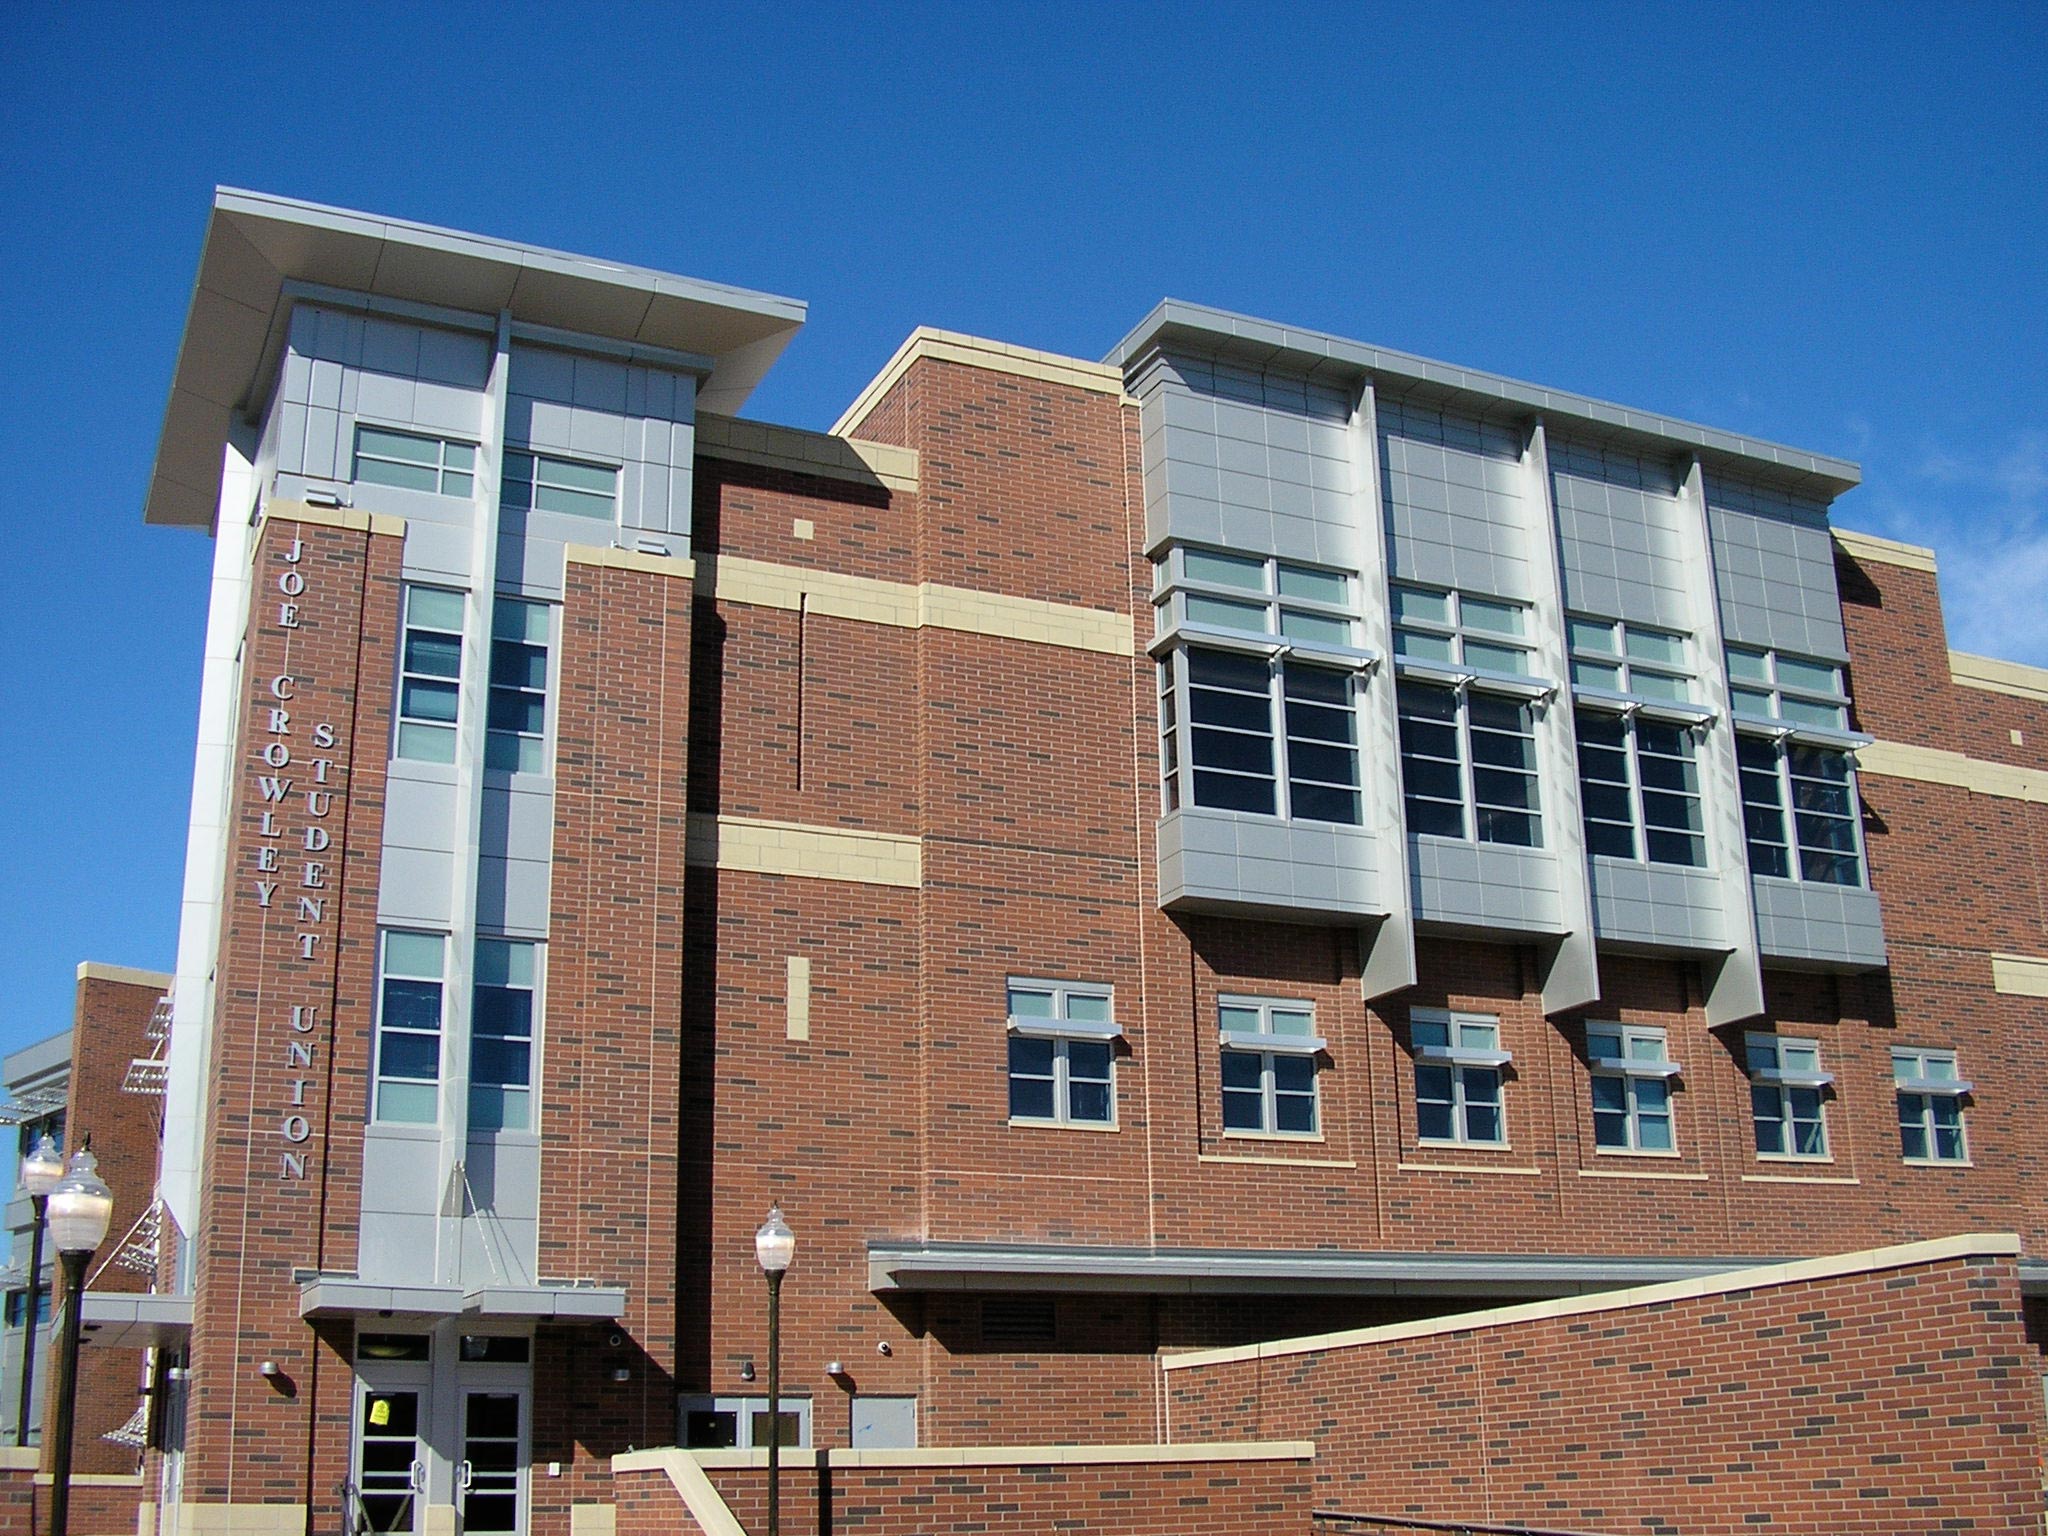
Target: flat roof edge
{"points": [[1310, 350]]}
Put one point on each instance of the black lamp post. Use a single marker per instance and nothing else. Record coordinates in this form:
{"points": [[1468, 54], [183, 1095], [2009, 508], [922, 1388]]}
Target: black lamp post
{"points": [[79, 1209], [40, 1172], [774, 1247]]}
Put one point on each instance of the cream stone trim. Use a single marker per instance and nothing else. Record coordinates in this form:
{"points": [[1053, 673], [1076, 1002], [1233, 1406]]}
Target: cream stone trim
{"points": [[986, 1456], [20, 1458], [439, 1519], [805, 852], [1995, 676], [977, 352], [99, 970], [806, 453], [1025, 618], [607, 558], [900, 605], [334, 517], [765, 584], [1868, 546], [1937, 765], [2019, 975], [1798, 1178], [593, 1519], [1278, 1162], [1462, 1168], [1642, 1173], [1969, 1245], [242, 1519]]}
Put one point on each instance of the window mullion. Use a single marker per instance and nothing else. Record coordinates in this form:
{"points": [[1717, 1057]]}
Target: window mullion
{"points": [[1468, 782], [1638, 812]]}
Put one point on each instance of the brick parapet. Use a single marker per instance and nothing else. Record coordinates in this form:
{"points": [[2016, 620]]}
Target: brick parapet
{"points": [[1877, 1400]]}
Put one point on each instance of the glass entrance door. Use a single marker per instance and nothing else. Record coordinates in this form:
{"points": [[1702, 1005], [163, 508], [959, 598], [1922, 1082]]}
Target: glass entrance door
{"points": [[391, 1472], [489, 1479]]}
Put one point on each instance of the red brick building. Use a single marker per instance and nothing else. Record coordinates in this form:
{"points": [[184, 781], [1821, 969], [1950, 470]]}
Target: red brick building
{"points": [[1255, 838]]}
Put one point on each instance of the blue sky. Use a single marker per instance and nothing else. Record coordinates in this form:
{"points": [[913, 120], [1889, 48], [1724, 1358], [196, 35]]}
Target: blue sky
{"points": [[1822, 225]]}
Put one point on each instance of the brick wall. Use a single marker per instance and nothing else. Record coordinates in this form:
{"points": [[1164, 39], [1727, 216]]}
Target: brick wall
{"points": [[307, 822], [610, 1129], [109, 1028], [1901, 1397], [1193, 1497]]}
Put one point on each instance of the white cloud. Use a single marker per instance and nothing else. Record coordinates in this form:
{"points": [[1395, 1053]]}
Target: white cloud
{"points": [[1985, 513]]}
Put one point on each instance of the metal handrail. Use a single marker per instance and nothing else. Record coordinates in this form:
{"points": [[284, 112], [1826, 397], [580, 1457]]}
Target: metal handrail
{"points": [[1446, 1527]]}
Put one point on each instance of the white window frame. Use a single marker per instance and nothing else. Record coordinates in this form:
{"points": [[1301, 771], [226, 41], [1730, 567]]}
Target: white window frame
{"points": [[1063, 1031], [1229, 604], [1645, 839], [1476, 818], [411, 729], [1266, 1046], [533, 988], [744, 1409], [452, 462], [1606, 661], [525, 492], [1792, 821], [1933, 1090], [379, 1078], [1775, 1077], [1457, 1060], [1629, 1066], [528, 750]]}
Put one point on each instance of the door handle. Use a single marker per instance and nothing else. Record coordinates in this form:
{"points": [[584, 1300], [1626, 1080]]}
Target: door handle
{"points": [[416, 1479], [463, 1472]]}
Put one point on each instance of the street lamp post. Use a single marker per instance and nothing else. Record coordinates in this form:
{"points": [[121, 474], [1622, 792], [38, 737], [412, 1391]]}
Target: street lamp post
{"points": [[40, 1171], [79, 1209], [774, 1247]]}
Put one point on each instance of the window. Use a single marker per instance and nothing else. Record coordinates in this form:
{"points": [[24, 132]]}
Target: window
{"points": [[1822, 843], [1458, 1062], [429, 672], [409, 1029], [1628, 659], [517, 740], [1769, 685], [17, 1307], [1269, 1066], [1258, 700], [1785, 1084], [1792, 744], [1062, 1045], [546, 484], [414, 462], [1930, 1105], [741, 1423], [1468, 765], [501, 1029], [1631, 1088], [1641, 789], [1468, 740]]}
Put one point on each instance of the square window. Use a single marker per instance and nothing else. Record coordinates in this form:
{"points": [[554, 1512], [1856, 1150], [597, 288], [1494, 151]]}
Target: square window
{"points": [[1062, 1053], [1458, 1077], [1930, 1093], [1268, 1066], [1631, 1088], [1786, 1090]]}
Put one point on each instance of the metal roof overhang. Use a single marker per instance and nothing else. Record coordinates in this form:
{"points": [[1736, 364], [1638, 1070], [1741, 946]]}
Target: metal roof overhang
{"points": [[1219, 1272], [324, 1296], [134, 1320], [1198, 329], [256, 244]]}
